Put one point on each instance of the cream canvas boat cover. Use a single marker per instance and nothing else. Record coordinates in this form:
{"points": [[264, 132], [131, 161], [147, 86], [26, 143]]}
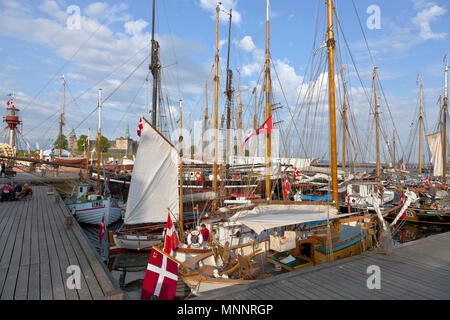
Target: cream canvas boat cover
{"points": [[266, 217], [435, 144], [154, 182]]}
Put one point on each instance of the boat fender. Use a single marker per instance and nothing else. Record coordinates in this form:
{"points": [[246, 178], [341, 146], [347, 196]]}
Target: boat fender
{"points": [[195, 239]]}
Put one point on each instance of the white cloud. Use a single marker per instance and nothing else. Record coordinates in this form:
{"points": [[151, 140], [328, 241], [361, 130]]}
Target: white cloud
{"points": [[135, 27], [424, 18], [210, 5], [247, 44]]}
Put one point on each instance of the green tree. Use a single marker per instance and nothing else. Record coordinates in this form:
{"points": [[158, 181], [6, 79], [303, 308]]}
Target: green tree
{"points": [[81, 143], [65, 143], [104, 144]]}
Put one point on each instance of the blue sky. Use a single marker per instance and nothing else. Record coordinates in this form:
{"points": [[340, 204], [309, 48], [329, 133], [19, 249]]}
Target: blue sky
{"points": [[37, 48]]}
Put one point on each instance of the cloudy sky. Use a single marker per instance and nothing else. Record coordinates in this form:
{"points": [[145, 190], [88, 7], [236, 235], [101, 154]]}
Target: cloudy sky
{"points": [[41, 40]]}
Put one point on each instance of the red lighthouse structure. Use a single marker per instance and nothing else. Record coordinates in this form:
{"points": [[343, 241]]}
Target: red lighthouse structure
{"points": [[12, 120]]}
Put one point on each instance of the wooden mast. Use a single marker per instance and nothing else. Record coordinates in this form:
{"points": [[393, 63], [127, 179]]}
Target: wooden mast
{"points": [[444, 151], [229, 94], [154, 68], [331, 45], [344, 127], [393, 156], [99, 138], [180, 219], [216, 103], [420, 127], [205, 125], [240, 118], [61, 123], [376, 122], [268, 107], [87, 155]]}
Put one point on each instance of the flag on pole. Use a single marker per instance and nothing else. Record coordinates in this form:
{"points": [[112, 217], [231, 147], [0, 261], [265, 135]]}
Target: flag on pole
{"points": [[439, 100], [418, 77], [102, 230], [296, 174], [266, 128], [445, 59], [343, 68], [140, 127], [10, 102], [286, 187], [171, 241], [160, 278]]}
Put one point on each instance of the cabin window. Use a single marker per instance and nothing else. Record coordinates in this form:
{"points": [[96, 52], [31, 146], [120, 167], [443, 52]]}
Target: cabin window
{"points": [[355, 189]]}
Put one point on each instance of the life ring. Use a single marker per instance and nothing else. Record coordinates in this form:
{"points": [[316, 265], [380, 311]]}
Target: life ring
{"points": [[235, 176], [195, 239], [198, 175]]}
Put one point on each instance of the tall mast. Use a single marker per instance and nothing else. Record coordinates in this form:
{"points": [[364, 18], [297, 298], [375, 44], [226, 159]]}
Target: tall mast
{"points": [[331, 45], [420, 127], [154, 68], [61, 123], [393, 156], [376, 121], [180, 219], [205, 125], [344, 127], [229, 92], [87, 155], [216, 104], [268, 102], [240, 118], [444, 153], [99, 138]]}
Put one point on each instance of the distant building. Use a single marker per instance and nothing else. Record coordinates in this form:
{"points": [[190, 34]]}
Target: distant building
{"points": [[73, 143], [123, 145]]}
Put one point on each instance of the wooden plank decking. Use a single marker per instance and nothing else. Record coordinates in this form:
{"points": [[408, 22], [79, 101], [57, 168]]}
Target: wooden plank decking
{"points": [[39, 240], [418, 270]]}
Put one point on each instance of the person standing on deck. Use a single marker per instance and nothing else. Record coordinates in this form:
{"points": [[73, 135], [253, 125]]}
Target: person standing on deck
{"points": [[205, 233], [3, 169]]}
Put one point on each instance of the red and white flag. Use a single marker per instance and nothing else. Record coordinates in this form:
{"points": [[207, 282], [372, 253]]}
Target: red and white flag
{"points": [[428, 181], [342, 69], [140, 127], [296, 174], [445, 59], [160, 278], [10, 102], [439, 100], [102, 230], [286, 187], [266, 128], [171, 241]]}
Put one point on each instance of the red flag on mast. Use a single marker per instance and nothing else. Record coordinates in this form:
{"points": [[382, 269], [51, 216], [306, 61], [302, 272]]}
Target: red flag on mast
{"points": [[439, 100], [171, 241], [266, 128]]}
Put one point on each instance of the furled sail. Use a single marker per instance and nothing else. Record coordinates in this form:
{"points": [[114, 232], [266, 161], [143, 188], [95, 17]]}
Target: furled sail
{"points": [[154, 182], [435, 144]]}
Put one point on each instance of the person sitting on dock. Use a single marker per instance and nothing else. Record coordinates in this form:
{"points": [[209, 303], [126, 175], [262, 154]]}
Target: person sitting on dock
{"points": [[6, 193], [17, 190], [26, 192]]}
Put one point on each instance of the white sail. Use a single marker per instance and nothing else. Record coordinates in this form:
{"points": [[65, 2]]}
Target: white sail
{"points": [[435, 144], [154, 182]]}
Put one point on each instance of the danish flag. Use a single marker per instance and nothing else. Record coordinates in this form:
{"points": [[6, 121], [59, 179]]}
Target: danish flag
{"points": [[286, 187], [160, 278], [296, 174], [171, 241], [140, 127], [266, 128], [102, 230], [10, 102]]}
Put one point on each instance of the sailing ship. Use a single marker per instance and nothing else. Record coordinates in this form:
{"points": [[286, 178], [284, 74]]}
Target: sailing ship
{"points": [[88, 207]]}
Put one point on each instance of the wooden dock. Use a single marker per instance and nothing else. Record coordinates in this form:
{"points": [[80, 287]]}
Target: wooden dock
{"points": [[39, 241], [418, 270]]}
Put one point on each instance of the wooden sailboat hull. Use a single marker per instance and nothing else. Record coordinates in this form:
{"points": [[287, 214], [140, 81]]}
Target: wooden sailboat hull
{"points": [[201, 284], [92, 212]]}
